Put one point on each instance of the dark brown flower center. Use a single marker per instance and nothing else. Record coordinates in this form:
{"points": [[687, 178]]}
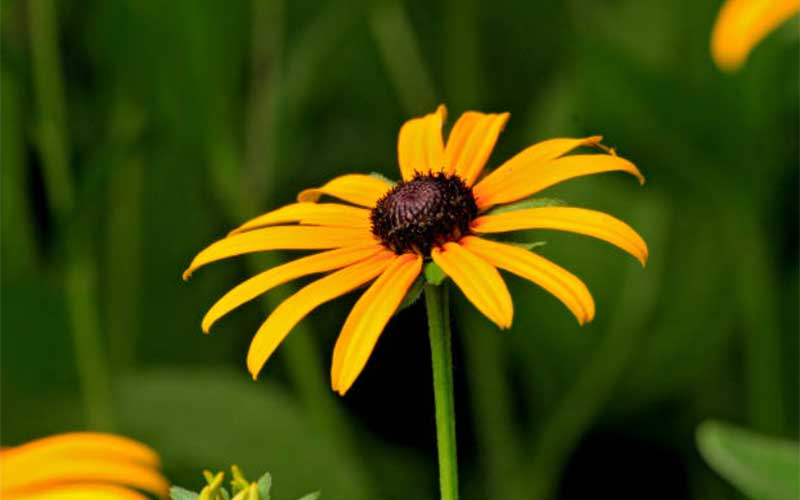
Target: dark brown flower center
{"points": [[427, 211]]}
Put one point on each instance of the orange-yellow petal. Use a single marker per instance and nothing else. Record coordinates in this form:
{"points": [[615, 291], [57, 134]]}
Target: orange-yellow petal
{"points": [[565, 286], [19, 477], [280, 238], [742, 24], [77, 444], [292, 310], [575, 220], [478, 280], [471, 143], [314, 214], [539, 153], [419, 146], [263, 282], [78, 492], [368, 317], [523, 182], [364, 190]]}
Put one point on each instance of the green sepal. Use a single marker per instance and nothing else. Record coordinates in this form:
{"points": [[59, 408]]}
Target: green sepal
{"points": [[434, 274], [527, 245], [311, 496], [527, 203], [264, 485], [178, 493], [383, 178], [413, 294]]}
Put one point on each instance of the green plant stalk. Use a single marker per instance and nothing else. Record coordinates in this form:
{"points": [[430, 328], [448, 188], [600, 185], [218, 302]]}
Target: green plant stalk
{"points": [[79, 273], [398, 47], [491, 398], [436, 302]]}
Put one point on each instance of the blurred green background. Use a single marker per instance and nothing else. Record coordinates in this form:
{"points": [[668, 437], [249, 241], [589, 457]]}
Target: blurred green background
{"points": [[135, 132]]}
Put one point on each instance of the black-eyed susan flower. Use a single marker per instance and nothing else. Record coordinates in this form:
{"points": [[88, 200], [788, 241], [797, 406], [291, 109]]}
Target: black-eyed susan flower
{"points": [[442, 211], [742, 24], [80, 466]]}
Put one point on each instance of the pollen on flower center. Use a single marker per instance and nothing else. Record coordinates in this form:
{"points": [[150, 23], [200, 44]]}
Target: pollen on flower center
{"points": [[427, 211]]}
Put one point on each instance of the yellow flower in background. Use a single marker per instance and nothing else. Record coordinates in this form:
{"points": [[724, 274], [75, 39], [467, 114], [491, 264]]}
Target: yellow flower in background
{"points": [[80, 466], [441, 211], [742, 24]]}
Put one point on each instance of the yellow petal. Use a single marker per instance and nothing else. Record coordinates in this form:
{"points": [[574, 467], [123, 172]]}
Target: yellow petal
{"points": [[742, 24], [81, 468], [292, 310], [314, 214], [78, 492], [471, 143], [368, 318], [539, 153], [530, 179], [280, 238], [575, 220], [364, 190], [80, 444], [419, 146], [478, 280], [263, 282], [564, 285]]}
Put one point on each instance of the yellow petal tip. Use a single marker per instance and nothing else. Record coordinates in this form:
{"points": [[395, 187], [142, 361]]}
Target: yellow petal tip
{"points": [[309, 195], [187, 274]]}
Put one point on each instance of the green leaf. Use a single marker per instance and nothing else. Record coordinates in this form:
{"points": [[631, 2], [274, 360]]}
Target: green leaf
{"points": [[527, 203], [264, 485], [311, 496], [383, 178], [762, 467], [178, 493], [434, 274]]}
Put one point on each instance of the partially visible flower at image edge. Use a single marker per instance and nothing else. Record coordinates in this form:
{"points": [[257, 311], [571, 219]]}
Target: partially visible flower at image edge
{"points": [[78, 466], [742, 24], [441, 211]]}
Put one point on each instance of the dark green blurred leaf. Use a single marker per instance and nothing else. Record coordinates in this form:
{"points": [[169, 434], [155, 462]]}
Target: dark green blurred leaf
{"points": [[206, 418], [762, 467]]}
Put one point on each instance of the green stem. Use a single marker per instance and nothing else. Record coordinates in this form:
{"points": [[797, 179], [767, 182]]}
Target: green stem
{"points": [[436, 300], [80, 271]]}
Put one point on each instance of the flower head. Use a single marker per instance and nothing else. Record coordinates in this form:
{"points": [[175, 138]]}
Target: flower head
{"points": [[80, 465], [442, 212]]}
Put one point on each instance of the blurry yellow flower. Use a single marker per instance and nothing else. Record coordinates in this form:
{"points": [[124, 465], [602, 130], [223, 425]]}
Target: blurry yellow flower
{"points": [[80, 466], [439, 212], [742, 24]]}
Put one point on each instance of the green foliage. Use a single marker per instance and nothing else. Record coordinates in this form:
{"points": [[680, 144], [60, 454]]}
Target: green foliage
{"points": [[762, 467], [241, 489]]}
